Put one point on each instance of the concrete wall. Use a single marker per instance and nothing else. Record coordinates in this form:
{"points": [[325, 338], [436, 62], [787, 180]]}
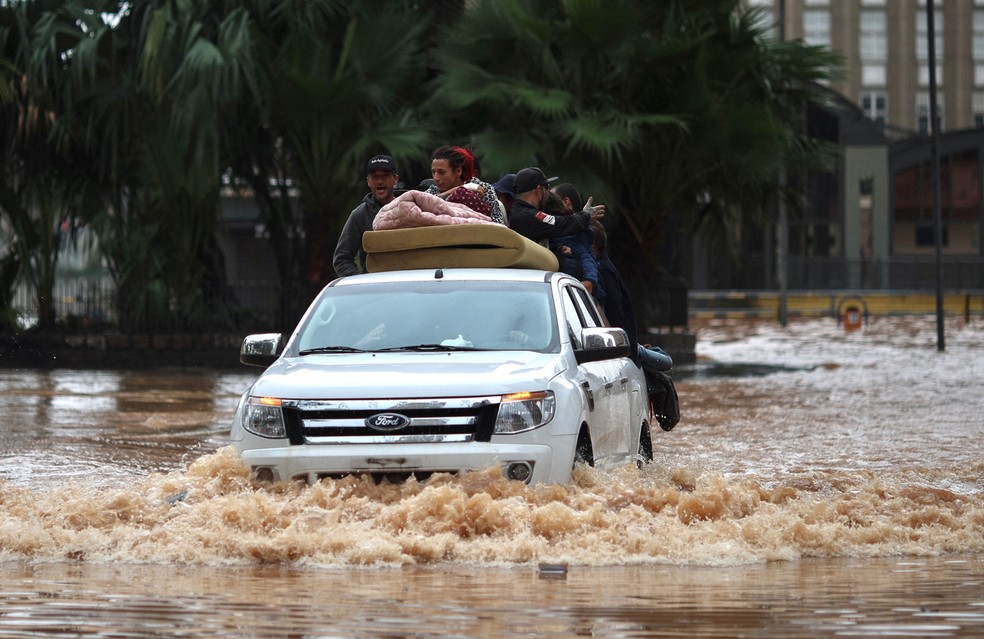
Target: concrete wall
{"points": [[867, 220]]}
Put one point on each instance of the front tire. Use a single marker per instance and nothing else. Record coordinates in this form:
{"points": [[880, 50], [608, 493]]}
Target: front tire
{"points": [[583, 453]]}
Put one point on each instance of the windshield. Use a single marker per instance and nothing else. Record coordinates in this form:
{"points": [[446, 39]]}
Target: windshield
{"points": [[432, 315]]}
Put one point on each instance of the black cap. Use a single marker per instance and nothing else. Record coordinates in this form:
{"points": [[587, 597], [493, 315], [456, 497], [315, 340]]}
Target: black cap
{"points": [[381, 163], [530, 178], [506, 184]]}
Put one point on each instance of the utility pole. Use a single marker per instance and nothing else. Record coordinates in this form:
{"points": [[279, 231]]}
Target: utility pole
{"points": [[782, 259], [935, 150]]}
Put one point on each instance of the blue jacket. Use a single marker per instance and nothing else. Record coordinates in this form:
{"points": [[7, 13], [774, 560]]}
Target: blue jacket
{"points": [[581, 263]]}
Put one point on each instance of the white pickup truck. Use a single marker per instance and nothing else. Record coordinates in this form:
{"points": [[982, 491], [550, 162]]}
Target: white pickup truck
{"points": [[444, 370]]}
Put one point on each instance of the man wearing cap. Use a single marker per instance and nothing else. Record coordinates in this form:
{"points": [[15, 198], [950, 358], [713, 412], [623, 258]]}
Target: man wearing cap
{"points": [[527, 218], [381, 177]]}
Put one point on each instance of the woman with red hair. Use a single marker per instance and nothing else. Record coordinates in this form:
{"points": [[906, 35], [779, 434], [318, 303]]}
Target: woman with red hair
{"points": [[455, 179]]}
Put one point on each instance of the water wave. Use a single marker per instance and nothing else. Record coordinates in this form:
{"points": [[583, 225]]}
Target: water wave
{"points": [[212, 513]]}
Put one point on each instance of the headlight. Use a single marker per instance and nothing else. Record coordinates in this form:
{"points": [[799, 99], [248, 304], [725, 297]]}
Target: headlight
{"points": [[524, 411], [264, 417]]}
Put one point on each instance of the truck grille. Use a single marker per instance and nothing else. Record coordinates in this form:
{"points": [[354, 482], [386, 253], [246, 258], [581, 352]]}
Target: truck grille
{"points": [[459, 419]]}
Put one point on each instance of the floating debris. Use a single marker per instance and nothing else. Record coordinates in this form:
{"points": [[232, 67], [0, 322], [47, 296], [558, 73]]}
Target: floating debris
{"points": [[552, 571], [173, 499]]}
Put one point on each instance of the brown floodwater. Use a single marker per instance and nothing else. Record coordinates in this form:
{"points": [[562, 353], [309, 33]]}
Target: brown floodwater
{"points": [[820, 483]]}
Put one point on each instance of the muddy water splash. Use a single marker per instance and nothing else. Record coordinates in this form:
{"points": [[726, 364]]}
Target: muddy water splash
{"points": [[854, 445], [214, 514]]}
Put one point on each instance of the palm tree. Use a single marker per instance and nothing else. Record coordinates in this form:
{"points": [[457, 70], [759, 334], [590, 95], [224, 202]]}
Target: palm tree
{"points": [[330, 83], [195, 63], [153, 88], [41, 188], [343, 81], [655, 107], [157, 99]]}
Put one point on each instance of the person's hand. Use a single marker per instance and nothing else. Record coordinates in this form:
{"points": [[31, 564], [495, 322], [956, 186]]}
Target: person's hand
{"points": [[564, 250], [374, 335], [596, 211], [519, 337], [588, 285]]}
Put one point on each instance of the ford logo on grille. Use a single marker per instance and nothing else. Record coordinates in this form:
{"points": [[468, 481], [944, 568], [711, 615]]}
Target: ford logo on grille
{"points": [[387, 421]]}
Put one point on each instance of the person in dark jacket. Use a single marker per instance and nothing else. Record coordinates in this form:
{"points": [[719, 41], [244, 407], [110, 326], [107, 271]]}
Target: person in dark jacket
{"points": [[381, 177], [653, 360], [618, 306], [527, 217]]}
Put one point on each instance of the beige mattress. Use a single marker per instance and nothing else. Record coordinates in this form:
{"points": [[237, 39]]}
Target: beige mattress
{"points": [[454, 246]]}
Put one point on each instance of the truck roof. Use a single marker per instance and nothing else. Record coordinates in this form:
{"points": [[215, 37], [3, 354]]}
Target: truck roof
{"points": [[451, 274]]}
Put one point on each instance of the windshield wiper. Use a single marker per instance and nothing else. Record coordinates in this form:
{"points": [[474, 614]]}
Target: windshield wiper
{"points": [[429, 347], [332, 349]]}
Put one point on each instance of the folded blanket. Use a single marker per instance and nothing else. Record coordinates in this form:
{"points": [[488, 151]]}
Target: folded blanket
{"points": [[416, 208]]}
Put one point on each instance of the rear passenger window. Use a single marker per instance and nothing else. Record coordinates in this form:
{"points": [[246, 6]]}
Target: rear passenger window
{"points": [[588, 311], [573, 315]]}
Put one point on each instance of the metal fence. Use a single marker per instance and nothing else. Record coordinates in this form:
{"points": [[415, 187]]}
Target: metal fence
{"points": [[79, 301], [893, 273], [88, 303], [757, 272]]}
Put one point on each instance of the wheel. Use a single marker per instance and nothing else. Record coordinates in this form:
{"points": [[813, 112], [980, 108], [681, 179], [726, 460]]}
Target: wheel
{"points": [[645, 446], [583, 453]]}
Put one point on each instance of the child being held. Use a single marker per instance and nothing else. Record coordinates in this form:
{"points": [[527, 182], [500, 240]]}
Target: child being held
{"points": [[574, 252]]}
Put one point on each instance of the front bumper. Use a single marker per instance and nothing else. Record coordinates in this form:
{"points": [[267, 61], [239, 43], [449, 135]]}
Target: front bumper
{"points": [[311, 463]]}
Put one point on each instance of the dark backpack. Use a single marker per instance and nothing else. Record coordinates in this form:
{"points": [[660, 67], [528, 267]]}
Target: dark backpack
{"points": [[663, 396]]}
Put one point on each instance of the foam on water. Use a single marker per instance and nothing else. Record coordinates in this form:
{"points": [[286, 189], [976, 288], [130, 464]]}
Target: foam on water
{"points": [[213, 514]]}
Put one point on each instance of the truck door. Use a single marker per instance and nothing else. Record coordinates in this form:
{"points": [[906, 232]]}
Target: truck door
{"points": [[600, 381]]}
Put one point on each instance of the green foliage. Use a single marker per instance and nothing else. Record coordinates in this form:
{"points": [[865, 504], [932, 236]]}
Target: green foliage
{"points": [[651, 106], [42, 194], [126, 117]]}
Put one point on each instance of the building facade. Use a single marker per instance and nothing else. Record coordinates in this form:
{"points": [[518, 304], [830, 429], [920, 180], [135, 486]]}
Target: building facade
{"points": [[870, 223], [885, 47]]}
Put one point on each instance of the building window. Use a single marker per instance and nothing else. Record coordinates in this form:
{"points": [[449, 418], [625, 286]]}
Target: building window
{"points": [[924, 75], [922, 47], [873, 48], [816, 27], [874, 75], [874, 105], [922, 41], [926, 235], [978, 47], [873, 43], [977, 107]]}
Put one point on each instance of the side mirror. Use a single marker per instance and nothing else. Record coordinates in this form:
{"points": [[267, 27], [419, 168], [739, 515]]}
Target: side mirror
{"points": [[261, 349], [603, 343]]}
